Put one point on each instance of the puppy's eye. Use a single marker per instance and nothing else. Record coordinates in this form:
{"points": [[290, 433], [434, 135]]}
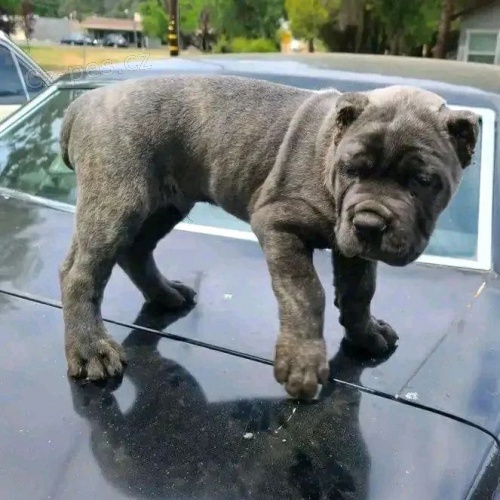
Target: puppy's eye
{"points": [[350, 169], [357, 169], [424, 180]]}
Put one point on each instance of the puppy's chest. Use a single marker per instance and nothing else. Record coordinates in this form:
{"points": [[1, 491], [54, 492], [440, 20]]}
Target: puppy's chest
{"points": [[312, 225], [321, 242], [321, 234]]}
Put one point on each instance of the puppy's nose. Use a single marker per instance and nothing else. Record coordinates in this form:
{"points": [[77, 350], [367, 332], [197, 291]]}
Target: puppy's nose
{"points": [[369, 223]]}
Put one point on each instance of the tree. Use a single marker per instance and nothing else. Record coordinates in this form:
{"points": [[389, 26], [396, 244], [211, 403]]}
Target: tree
{"points": [[189, 14], [406, 23], [81, 8], [8, 10], [257, 18], [205, 30], [27, 21], [308, 16], [46, 8], [119, 8], [154, 18], [224, 18], [447, 9], [246, 18]]}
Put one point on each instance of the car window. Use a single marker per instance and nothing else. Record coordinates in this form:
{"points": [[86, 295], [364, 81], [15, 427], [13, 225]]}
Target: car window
{"points": [[30, 162], [11, 87], [34, 83], [29, 152]]}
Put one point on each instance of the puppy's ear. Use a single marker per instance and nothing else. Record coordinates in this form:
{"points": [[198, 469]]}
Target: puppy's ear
{"points": [[349, 106], [463, 127]]}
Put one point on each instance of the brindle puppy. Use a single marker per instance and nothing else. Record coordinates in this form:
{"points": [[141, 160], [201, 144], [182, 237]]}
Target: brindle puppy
{"points": [[364, 174]]}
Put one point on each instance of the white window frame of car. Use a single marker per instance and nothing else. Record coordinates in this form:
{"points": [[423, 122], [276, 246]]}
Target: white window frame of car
{"points": [[469, 52], [483, 261], [28, 61], [12, 55], [18, 56]]}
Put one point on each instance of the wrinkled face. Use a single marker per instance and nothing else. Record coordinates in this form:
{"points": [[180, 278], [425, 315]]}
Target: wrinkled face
{"points": [[395, 167]]}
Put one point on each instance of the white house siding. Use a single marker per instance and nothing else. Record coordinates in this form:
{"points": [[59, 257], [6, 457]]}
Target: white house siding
{"points": [[487, 18]]}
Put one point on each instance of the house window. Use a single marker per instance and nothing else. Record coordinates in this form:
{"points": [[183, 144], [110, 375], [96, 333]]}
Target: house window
{"points": [[482, 47]]}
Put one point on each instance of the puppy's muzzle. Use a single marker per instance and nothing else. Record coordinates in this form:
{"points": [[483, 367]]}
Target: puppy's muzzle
{"points": [[371, 220]]}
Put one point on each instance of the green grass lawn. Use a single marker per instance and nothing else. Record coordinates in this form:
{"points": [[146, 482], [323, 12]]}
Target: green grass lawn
{"points": [[62, 58]]}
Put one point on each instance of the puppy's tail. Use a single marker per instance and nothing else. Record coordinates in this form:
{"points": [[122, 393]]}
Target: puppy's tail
{"points": [[67, 124]]}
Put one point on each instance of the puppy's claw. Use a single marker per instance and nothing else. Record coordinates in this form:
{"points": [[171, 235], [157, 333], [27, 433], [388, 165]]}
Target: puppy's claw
{"points": [[187, 292], [95, 369], [301, 365], [74, 369], [376, 340], [96, 360], [169, 298], [281, 370], [384, 329], [174, 295]]}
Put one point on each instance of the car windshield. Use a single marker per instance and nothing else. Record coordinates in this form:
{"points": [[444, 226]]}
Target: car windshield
{"points": [[30, 162]]}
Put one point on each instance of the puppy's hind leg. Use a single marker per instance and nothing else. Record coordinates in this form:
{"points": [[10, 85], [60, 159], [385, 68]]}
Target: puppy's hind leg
{"points": [[138, 262], [103, 227]]}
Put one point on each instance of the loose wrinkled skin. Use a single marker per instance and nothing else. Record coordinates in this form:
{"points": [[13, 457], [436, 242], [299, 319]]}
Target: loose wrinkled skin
{"points": [[364, 174]]}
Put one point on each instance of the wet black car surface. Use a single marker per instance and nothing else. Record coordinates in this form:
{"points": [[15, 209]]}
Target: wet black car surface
{"points": [[198, 413], [188, 422]]}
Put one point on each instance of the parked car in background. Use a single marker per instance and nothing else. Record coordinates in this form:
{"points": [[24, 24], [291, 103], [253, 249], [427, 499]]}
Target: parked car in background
{"points": [[198, 413], [77, 39], [115, 40], [21, 78]]}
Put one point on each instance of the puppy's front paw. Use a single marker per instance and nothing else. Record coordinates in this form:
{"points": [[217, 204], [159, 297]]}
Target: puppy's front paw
{"points": [[96, 358], [377, 339], [300, 364]]}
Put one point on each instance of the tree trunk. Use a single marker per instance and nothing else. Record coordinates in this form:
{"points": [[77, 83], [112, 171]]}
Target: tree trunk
{"points": [[394, 45], [447, 8], [382, 40], [310, 45]]}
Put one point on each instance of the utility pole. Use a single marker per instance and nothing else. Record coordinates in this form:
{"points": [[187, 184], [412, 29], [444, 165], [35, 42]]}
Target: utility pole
{"points": [[173, 28], [134, 8]]}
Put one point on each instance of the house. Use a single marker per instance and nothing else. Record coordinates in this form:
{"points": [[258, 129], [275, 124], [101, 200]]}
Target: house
{"points": [[47, 30], [51, 30], [131, 29], [479, 39]]}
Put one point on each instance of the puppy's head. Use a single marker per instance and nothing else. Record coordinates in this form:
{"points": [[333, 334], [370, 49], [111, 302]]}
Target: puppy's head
{"points": [[397, 158]]}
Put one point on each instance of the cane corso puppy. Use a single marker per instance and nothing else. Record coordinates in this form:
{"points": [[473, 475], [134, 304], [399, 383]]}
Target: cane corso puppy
{"points": [[365, 174]]}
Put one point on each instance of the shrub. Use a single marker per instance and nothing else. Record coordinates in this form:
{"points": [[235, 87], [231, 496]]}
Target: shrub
{"points": [[263, 45], [222, 46], [241, 45]]}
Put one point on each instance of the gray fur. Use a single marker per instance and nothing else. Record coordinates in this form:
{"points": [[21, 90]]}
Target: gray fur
{"points": [[364, 174]]}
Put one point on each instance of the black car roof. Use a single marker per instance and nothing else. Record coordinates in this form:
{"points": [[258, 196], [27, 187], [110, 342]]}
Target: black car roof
{"points": [[199, 413], [188, 422]]}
